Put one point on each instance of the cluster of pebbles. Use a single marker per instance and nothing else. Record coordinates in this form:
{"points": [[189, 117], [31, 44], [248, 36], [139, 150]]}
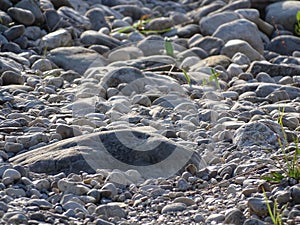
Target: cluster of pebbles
{"points": [[99, 124]]}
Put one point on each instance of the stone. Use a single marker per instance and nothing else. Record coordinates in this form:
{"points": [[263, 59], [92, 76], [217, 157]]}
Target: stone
{"points": [[13, 174], [234, 216], [13, 147], [22, 16], [273, 69], [188, 31], [15, 192], [110, 187], [91, 37], [283, 13], [110, 211], [212, 61], [73, 18], [260, 133], [161, 23], [32, 6], [33, 32], [185, 200], [258, 206], [284, 44], [58, 38], [42, 65], [18, 219], [216, 218], [11, 77], [210, 23], [254, 221], [211, 45], [132, 11], [91, 152], [78, 59], [97, 18], [53, 20], [173, 207], [240, 29], [240, 46], [65, 131], [5, 4], [14, 32], [295, 194]]}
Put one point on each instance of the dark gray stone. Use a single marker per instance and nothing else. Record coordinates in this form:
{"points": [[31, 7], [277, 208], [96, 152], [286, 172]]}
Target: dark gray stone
{"points": [[284, 44], [32, 6], [91, 37], [212, 45], [97, 18], [22, 16], [14, 32], [11, 77]]}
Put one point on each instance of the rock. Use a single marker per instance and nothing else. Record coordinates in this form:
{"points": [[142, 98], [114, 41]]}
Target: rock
{"points": [[71, 187], [13, 147], [13, 174], [53, 20], [97, 18], [239, 46], [22, 16], [78, 154], [261, 133], [284, 44], [132, 11], [18, 219], [91, 37], [211, 45], [74, 206], [32, 6], [74, 18], [111, 188], [283, 13], [14, 32], [11, 77], [217, 218], [188, 30], [58, 3], [240, 29], [161, 23], [295, 194], [258, 206], [78, 59], [65, 131], [254, 221], [59, 38], [212, 61], [185, 200], [210, 23], [174, 207], [235, 216], [15, 192], [110, 211], [42, 65], [33, 32], [5, 4]]}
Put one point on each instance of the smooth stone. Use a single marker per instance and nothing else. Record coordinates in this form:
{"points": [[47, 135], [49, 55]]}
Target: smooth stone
{"points": [[234, 216], [187, 201], [174, 207], [53, 20], [11, 173], [132, 11], [22, 16], [110, 187], [41, 203], [58, 38], [32, 6], [74, 18], [212, 45], [78, 59], [42, 65], [151, 45], [260, 133], [290, 45], [97, 18], [72, 187], [15, 192], [254, 221], [14, 32], [188, 31], [240, 29], [110, 211], [161, 23], [74, 206], [11, 77], [217, 218], [295, 194], [283, 13], [91, 37], [258, 206], [273, 69], [102, 150], [30, 140], [65, 131], [5, 4], [264, 78], [210, 23], [212, 61], [240, 46], [13, 147], [42, 184], [18, 219]]}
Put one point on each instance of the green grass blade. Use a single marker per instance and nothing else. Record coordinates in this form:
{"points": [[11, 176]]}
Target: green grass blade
{"points": [[187, 77], [169, 47]]}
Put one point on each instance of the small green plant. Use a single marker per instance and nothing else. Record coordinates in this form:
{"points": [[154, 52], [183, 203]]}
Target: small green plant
{"points": [[297, 25], [213, 77], [291, 167], [274, 213], [140, 26], [170, 52]]}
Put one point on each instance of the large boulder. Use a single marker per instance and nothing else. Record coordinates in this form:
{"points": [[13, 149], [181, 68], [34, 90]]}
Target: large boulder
{"points": [[149, 153]]}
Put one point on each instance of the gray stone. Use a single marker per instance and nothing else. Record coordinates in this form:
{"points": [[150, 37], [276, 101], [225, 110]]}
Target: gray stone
{"points": [[65, 131], [132, 11], [217, 218], [18, 219], [254, 221], [110, 211], [234, 46], [74, 206], [53, 20], [185, 200], [264, 78], [284, 44], [11, 77], [58, 38], [91, 37], [161, 23], [15, 192], [103, 150], [11, 173], [32, 6], [42, 65], [13, 147], [188, 30], [295, 194], [74, 18], [174, 207], [97, 18], [283, 13], [210, 23], [234, 216], [72, 187], [78, 59], [110, 187], [212, 45], [241, 29], [273, 69], [33, 32], [22, 16], [212, 61], [5, 4], [263, 133], [14, 32], [258, 206]]}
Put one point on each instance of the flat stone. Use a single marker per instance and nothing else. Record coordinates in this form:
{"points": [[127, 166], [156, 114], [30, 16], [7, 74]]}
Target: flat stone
{"points": [[22, 16], [174, 207]]}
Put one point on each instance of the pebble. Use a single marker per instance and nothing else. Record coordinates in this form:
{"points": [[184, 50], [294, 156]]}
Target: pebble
{"points": [[174, 207]]}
